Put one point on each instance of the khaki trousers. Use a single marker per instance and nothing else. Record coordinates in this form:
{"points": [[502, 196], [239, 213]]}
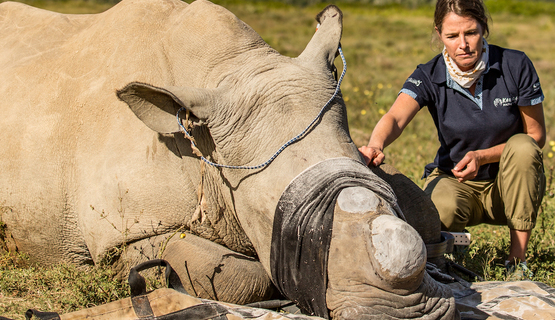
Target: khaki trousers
{"points": [[512, 198]]}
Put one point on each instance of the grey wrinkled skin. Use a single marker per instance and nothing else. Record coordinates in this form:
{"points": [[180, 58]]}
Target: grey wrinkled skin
{"points": [[93, 165]]}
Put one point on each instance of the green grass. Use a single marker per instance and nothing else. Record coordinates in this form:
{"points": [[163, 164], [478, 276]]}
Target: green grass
{"points": [[62, 287], [70, 6], [383, 45]]}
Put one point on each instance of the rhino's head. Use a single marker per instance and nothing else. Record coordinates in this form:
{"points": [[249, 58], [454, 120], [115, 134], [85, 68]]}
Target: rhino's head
{"points": [[376, 261], [341, 222], [254, 100], [246, 107]]}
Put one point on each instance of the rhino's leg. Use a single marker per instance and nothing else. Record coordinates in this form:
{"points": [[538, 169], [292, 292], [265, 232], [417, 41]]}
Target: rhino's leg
{"points": [[206, 269], [211, 271], [376, 265]]}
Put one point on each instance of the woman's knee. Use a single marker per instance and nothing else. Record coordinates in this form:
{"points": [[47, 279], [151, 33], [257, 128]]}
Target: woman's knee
{"points": [[522, 148], [451, 208], [521, 159]]}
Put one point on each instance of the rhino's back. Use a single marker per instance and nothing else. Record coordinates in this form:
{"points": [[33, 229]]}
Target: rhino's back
{"points": [[36, 42], [181, 43], [28, 31]]}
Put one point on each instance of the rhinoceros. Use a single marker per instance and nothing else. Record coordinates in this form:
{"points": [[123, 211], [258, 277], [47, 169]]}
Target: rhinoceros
{"points": [[95, 164]]}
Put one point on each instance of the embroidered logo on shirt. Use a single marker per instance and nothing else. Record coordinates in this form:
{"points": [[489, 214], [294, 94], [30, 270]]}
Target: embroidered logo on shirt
{"points": [[504, 102], [414, 81], [536, 86]]}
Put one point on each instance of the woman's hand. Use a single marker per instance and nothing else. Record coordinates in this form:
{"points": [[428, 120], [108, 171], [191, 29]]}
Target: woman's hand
{"points": [[372, 156], [467, 168]]}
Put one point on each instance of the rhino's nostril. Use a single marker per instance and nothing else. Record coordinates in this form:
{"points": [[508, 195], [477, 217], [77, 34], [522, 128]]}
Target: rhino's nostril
{"points": [[398, 248]]}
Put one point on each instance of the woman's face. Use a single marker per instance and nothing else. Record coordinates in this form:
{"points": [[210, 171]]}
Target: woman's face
{"points": [[462, 37]]}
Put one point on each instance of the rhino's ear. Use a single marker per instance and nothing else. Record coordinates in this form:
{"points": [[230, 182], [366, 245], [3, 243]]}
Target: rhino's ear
{"points": [[322, 48], [157, 107]]}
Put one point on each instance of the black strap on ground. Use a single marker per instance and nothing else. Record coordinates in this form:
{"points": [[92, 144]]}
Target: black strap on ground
{"points": [[303, 224], [137, 283], [269, 304], [41, 315]]}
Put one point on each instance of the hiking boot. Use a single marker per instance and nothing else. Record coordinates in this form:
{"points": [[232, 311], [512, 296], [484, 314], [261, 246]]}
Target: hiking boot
{"points": [[516, 271]]}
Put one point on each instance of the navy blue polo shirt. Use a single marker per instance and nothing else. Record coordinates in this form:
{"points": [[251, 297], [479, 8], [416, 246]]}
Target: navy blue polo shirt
{"points": [[467, 123]]}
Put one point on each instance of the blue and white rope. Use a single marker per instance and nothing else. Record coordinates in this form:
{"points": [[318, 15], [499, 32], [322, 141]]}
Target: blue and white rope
{"points": [[288, 143]]}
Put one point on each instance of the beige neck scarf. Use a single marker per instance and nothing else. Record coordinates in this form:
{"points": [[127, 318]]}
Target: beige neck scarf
{"points": [[467, 78]]}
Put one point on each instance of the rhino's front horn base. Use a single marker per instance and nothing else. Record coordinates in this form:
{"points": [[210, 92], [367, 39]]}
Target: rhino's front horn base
{"points": [[378, 248], [376, 264]]}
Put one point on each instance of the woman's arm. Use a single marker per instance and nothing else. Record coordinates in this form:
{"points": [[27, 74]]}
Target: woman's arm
{"points": [[389, 128], [534, 126]]}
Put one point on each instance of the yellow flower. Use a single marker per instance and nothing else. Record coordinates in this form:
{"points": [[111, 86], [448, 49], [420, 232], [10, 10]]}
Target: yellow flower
{"points": [[355, 89], [553, 148], [368, 93], [389, 86], [183, 235], [380, 86], [363, 112], [552, 143], [381, 111], [550, 155], [346, 99]]}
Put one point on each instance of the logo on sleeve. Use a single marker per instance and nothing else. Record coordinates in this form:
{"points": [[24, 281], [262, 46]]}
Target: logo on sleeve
{"points": [[505, 102], [536, 86], [414, 81]]}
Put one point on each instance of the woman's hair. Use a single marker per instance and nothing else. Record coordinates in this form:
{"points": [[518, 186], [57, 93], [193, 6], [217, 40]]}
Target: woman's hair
{"points": [[464, 8]]}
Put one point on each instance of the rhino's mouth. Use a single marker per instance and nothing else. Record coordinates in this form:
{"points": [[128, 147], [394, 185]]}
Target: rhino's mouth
{"points": [[431, 300], [303, 227]]}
